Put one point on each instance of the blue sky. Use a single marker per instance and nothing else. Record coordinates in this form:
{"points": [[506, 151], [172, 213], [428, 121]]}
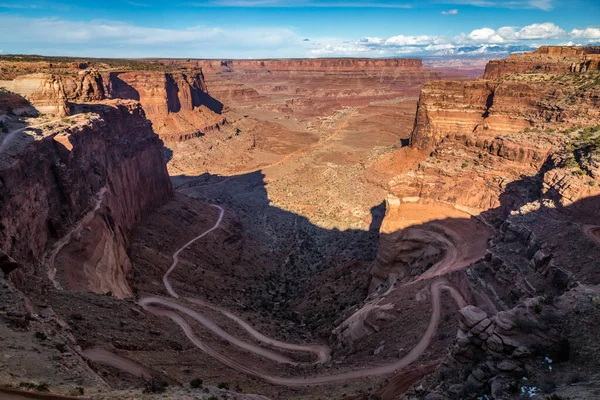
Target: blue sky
{"points": [[290, 28]]}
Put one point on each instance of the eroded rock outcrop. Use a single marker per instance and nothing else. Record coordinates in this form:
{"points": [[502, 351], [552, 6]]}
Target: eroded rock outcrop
{"points": [[45, 91], [546, 59], [178, 104], [69, 200], [492, 108], [521, 350]]}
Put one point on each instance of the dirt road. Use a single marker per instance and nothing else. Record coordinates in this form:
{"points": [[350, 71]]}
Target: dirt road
{"points": [[149, 303], [412, 356], [185, 246], [593, 232]]}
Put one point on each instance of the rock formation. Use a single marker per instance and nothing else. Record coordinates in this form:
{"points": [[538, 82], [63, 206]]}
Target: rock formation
{"points": [[178, 104], [72, 197], [546, 59], [487, 108], [46, 92], [520, 152]]}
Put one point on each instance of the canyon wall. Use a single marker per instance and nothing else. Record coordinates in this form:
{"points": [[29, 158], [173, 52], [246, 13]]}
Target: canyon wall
{"points": [[69, 200], [487, 108], [546, 59], [306, 64], [45, 91], [178, 103], [490, 146]]}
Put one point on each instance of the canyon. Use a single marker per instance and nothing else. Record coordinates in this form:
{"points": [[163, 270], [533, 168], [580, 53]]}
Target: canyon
{"points": [[300, 229]]}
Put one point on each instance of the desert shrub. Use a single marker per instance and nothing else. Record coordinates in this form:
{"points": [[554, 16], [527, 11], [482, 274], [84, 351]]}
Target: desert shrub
{"points": [[42, 387], [4, 129], [514, 388], [196, 383], [592, 183], [464, 165], [155, 385], [223, 385], [27, 385], [561, 351], [571, 162], [445, 373], [575, 377], [524, 325], [548, 300], [78, 391], [556, 397], [537, 308], [547, 385], [564, 349]]}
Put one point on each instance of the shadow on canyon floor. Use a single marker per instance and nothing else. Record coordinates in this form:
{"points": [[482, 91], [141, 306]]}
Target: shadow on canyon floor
{"points": [[315, 300], [248, 195]]}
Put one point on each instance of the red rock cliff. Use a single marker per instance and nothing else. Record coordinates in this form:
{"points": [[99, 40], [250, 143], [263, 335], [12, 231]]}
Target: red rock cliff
{"points": [[69, 200], [546, 59], [304, 64], [490, 108], [178, 104]]}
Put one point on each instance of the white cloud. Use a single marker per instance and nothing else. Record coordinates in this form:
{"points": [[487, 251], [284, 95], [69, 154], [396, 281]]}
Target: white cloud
{"points": [[17, 5], [546, 30], [450, 12], [545, 5], [587, 33], [408, 50], [515, 4], [55, 30], [478, 36], [508, 33], [54, 36], [342, 49], [372, 41], [299, 3], [485, 35], [402, 40]]}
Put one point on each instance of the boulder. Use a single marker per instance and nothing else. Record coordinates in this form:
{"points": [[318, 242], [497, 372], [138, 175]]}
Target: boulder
{"points": [[471, 316], [7, 263]]}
